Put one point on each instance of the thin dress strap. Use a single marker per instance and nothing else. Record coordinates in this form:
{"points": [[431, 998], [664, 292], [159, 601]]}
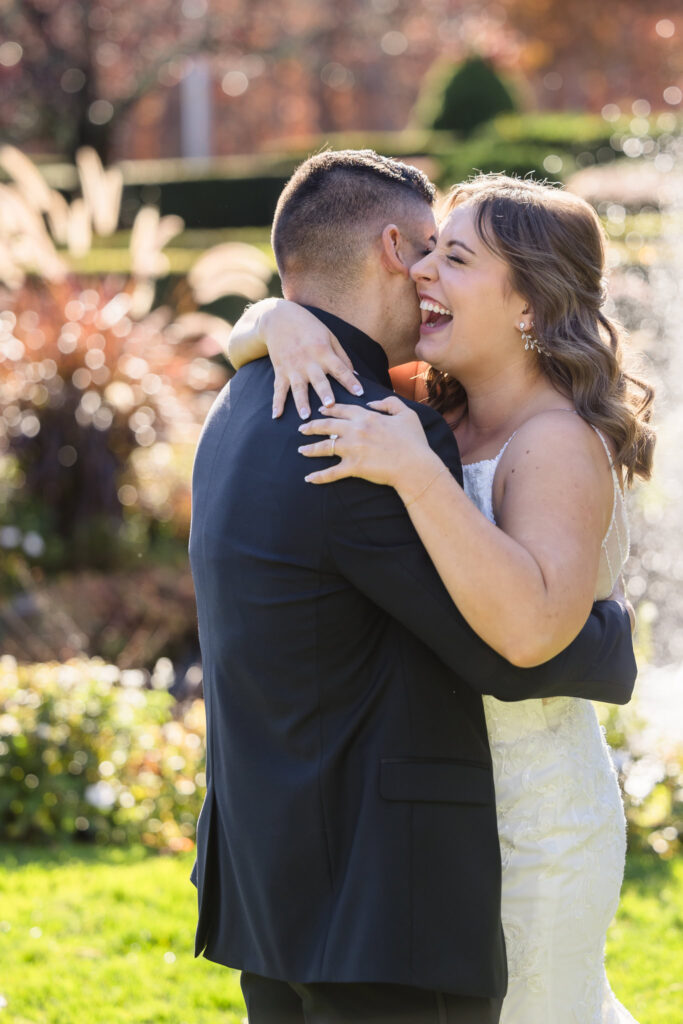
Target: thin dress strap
{"points": [[623, 544], [606, 447], [500, 453]]}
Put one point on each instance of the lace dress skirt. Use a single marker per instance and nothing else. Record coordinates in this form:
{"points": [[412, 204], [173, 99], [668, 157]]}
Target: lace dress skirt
{"points": [[561, 826], [562, 836]]}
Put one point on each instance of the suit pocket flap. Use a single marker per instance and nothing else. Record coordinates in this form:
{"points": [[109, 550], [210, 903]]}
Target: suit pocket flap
{"points": [[453, 782]]}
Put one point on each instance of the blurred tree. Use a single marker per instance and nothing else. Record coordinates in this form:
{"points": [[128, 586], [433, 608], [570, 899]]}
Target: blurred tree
{"points": [[115, 73], [73, 71], [583, 55], [81, 64], [460, 99]]}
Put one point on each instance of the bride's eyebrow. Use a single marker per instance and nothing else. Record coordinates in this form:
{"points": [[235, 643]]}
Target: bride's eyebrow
{"points": [[462, 245]]}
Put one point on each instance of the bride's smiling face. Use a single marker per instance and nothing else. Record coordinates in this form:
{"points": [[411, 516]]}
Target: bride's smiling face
{"points": [[478, 331]]}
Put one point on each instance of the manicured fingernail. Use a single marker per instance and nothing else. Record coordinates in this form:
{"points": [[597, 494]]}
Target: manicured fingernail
{"points": [[328, 400], [304, 412], [358, 390], [274, 413], [301, 448], [302, 427]]}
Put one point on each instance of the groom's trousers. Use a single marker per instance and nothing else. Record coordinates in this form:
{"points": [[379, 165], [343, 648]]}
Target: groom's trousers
{"points": [[278, 1002]]}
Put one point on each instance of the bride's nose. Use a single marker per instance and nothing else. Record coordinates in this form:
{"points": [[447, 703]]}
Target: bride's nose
{"points": [[424, 269]]}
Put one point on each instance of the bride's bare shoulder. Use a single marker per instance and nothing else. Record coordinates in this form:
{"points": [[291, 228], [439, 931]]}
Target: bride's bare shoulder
{"points": [[555, 433], [559, 451]]}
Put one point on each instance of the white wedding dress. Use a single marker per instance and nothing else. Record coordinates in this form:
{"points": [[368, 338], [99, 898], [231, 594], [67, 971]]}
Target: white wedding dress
{"points": [[562, 829]]}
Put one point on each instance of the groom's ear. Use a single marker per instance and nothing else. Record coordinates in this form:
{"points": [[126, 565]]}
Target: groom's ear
{"points": [[394, 251]]}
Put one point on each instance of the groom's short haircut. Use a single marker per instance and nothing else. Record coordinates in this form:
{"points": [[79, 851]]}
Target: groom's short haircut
{"points": [[335, 206]]}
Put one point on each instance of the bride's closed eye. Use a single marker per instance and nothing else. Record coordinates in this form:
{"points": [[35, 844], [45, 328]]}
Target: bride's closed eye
{"points": [[456, 259]]}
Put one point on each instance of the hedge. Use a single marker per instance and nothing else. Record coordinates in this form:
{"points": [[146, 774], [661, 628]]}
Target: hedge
{"points": [[240, 192]]}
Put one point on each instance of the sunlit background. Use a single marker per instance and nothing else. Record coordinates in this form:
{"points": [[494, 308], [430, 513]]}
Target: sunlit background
{"points": [[143, 146]]}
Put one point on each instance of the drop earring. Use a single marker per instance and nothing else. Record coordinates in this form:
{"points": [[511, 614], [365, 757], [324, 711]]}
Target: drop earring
{"points": [[530, 340]]}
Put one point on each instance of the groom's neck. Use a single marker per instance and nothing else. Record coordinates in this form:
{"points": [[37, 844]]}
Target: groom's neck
{"points": [[360, 309]]}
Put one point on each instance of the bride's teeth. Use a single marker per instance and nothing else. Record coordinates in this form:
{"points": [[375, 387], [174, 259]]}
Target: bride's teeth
{"points": [[434, 307]]}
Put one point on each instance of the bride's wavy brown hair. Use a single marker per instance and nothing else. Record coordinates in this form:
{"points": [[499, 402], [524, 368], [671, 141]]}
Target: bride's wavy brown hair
{"points": [[553, 244]]}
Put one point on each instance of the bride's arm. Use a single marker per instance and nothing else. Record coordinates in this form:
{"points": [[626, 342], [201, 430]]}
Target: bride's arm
{"points": [[303, 352], [246, 342], [525, 586]]}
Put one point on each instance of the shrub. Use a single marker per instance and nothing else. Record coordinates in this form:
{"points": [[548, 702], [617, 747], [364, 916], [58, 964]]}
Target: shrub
{"points": [[85, 750], [462, 98], [568, 130], [83, 387], [129, 618], [91, 371]]}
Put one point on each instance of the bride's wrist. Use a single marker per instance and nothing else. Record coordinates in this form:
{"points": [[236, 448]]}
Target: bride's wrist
{"points": [[264, 320], [415, 478]]}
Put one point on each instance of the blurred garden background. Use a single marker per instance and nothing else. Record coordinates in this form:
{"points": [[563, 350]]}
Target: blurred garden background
{"points": [[142, 149]]}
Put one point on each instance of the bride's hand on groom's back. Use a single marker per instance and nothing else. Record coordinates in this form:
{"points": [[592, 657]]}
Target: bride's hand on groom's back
{"points": [[389, 449]]}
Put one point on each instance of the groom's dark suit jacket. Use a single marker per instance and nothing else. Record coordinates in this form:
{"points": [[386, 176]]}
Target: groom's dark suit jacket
{"points": [[349, 828]]}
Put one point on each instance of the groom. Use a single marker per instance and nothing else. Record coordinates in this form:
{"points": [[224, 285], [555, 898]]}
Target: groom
{"points": [[347, 853]]}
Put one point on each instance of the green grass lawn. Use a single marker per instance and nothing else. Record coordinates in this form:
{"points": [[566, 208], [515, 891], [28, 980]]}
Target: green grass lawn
{"points": [[90, 936]]}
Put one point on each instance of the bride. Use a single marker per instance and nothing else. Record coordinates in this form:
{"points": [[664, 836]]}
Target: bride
{"points": [[528, 370]]}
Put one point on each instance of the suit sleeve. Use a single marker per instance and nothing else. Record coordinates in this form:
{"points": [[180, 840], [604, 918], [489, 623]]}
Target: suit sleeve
{"points": [[374, 545]]}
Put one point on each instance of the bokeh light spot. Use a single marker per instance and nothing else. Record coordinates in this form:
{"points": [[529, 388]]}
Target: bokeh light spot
{"points": [[74, 310], [127, 494], [394, 43], [100, 112], [553, 81], [67, 455], [81, 378], [337, 76], [30, 426], [641, 108], [552, 163], [107, 54], [639, 126], [673, 95], [94, 358], [667, 122], [66, 344], [664, 163], [10, 54], [91, 401], [633, 148], [33, 544], [103, 418], [665, 28], [611, 112], [10, 536], [234, 83]]}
